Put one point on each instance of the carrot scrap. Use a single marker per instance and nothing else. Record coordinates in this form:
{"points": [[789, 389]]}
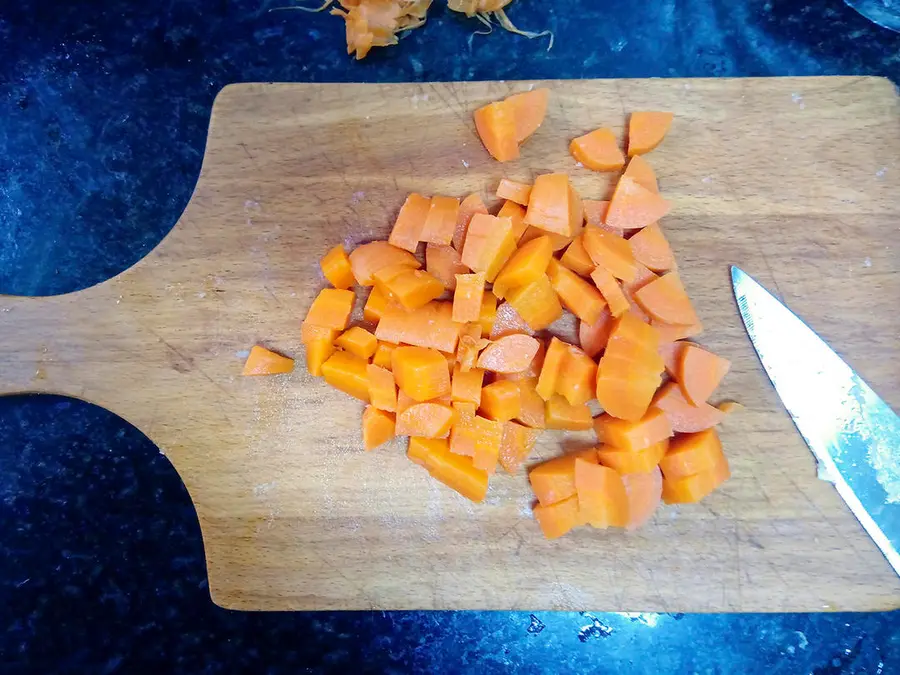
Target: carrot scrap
{"points": [[557, 519], [529, 107], [358, 341], [420, 373], [376, 23], [652, 428], [554, 480], [537, 303], [646, 130], [427, 420], [331, 308], [611, 291], [665, 300], [348, 373], [633, 206], [407, 231], [467, 208], [377, 427], [367, 259], [430, 326], [526, 265], [684, 417], [611, 252], [443, 263], [262, 361], [594, 336], [560, 414], [577, 259], [699, 372], [489, 244], [468, 296], [651, 248], [516, 213], [644, 492], [488, 312], [466, 385], [470, 345], [508, 322], [555, 205], [691, 489], [509, 354], [515, 445], [598, 151], [336, 268], [382, 388], [496, 127], [640, 171], [602, 501], [514, 191], [632, 461], [500, 401]]}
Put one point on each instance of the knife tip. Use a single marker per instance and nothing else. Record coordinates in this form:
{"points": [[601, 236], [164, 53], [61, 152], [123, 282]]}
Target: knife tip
{"points": [[736, 273]]}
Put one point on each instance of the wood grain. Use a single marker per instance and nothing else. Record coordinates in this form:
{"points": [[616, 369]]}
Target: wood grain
{"points": [[796, 180]]}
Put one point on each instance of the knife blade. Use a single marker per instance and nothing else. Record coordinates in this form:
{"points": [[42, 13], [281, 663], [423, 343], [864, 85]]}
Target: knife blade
{"points": [[852, 432]]}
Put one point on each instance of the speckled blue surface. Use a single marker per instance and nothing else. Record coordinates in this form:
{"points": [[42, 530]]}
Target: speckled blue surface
{"points": [[103, 115]]}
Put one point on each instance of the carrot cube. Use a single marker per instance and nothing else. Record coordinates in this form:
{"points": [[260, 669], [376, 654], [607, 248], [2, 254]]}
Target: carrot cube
{"points": [[443, 263], [367, 259], [632, 461], [468, 297], [500, 401], [262, 361], [348, 373], [489, 244], [514, 191], [602, 501], [377, 427], [611, 291], [577, 259], [557, 519], [554, 480], [652, 428], [488, 437], [537, 303], [526, 265], [633, 206], [577, 380], [382, 356], [577, 295], [598, 151], [336, 268], [440, 222], [515, 445], [610, 251], [560, 414], [420, 449], [466, 386], [421, 373], [554, 205], [331, 308], [496, 127], [516, 213], [382, 388], [427, 420], [358, 341], [317, 353], [407, 230]]}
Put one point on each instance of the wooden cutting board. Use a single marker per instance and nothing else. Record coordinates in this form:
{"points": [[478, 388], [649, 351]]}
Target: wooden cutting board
{"points": [[796, 180]]}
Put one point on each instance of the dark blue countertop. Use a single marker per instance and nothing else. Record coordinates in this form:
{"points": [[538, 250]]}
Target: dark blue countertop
{"points": [[103, 115]]}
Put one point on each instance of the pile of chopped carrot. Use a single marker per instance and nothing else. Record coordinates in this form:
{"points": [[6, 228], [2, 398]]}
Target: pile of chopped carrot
{"points": [[454, 350]]}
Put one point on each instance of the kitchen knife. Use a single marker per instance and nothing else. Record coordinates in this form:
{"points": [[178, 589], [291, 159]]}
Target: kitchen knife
{"points": [[853, 434]]}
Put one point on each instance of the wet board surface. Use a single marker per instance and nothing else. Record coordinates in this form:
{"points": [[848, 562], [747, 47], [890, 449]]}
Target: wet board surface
{"points": [[796, 180]]}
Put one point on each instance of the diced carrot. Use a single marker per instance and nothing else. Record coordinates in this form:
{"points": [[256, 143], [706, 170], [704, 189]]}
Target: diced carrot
{"points": [[611, 291], [384, 276], [624, 395], [331, 308], [468, 296], [407, 230], [595, 214], [553, 363], [554, 480], [262, 361], [336, 268], [686, 418], [651, 248], [440, 222], [468, 207], [642, 173], [577, 295], [516, 213], [632, 461], [529, 108], [489, 244], [673, 332], [488, 437], [671, 354], [463, 432], [443, 263], [557, 519], [515, 445], [560, 414], [470, 346], [348, 373], [532, 413], [665, 300], [514, 191], [508, 322], [537, 303], [488, 313], [610, 251], [420, 373], [317, 353], [691, 489], [509, 354], [496, 127], [377, 427], [633, 206], [699, 373], [633, 340], [555, 205], [458, 473], [526, 265], [692, 453], [375, 306], [382, 356], [598, 151], [428, 420], [310, 332], [602, 501], [576, 258], [358, 341], [629, 288], [430, 326], [653, 427], [593, 337], [466, 385], [577, 377], [367, 259], [557, 241], [413, 288], [421, 448], [646, 130], [500, 401], [644, 491], [382, 388]]}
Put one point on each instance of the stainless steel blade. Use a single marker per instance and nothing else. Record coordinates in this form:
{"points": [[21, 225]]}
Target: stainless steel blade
{"points": [[852, 432]]}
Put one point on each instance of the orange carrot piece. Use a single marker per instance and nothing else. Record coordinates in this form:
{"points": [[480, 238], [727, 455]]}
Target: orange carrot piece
{"points": [[336, 268], [420, 373], [644, 492], [577, 259], [458, 473], [427, 420], [331, 308], [555, 205], [463, 432], [634, 340], [466, 385], [595, 214], [443, 263], [407, 230], [514, 191], [510, 354], [686, 418], [533, 370], [515, 445], [692, 489], [529, 109], [625, 395], [496, 127], [537, 303], [611, 291], [488, 438], [500, 401], [673, 332], [526, 265], [420, 449], [377, 427], [488, 312], [665, 300], [633, 206], [309, 332], [440, 222], [577, 377], [553, 363], [382, 388], [508, 322], [375, 305], [358, 341], [532, 413], [689, 454], [646, 130], [557, 519], [632, 461], [367, 259], [489, 244], [470, 345], [468, 207], [598, 151], [652, 428], [557, 241], [671, 354], [560, 414], [642, 277], [382, 356], [610, 251], [262, 361], [348, 373], [468, 296], [554, 480], [317, 353], [430, 326], [602, 501], [516, 213], [576, 294], [413, 288], [699, 373], [594, 336], [651, 248], [640, 171]]}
